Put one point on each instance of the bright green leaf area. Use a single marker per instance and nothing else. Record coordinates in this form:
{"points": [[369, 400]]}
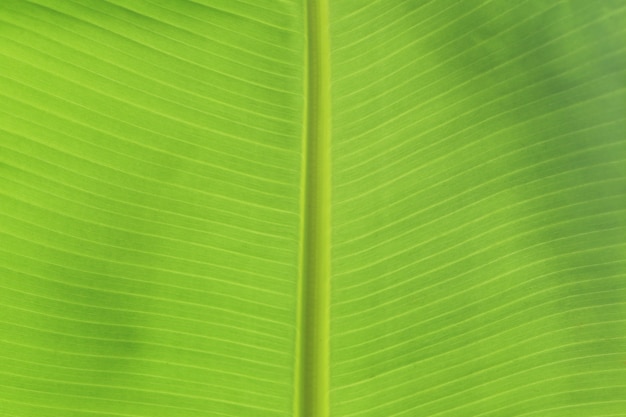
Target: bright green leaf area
{"points": [[333, 208]]}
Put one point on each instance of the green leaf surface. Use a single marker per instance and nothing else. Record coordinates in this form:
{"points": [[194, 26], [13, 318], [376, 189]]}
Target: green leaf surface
{"points": [[332, 208]]}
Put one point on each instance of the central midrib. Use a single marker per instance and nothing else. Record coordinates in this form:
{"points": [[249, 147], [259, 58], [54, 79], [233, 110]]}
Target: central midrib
{"points": [[312, 368]]}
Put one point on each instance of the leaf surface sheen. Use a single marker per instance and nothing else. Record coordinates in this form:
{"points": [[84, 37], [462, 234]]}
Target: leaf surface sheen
{"points": [[169, 208]]}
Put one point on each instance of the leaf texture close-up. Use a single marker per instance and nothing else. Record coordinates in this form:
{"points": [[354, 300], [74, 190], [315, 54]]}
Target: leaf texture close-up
{"points": [[322, 208]]}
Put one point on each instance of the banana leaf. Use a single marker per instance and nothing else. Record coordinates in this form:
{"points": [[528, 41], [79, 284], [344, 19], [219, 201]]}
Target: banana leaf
{"points": [[323, 208]]}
